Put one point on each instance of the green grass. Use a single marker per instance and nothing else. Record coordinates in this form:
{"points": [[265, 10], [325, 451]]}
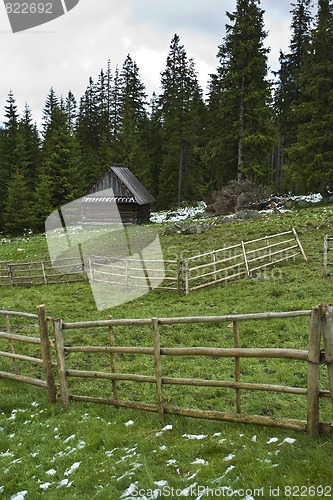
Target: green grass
{"points": [[88, 451]]}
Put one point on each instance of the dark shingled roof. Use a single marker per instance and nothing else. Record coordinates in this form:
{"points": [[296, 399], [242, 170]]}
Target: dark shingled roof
{"points": [[125, 186]]}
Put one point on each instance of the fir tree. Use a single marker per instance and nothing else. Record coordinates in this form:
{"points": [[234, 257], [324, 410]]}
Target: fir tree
{"points": [[131, 147], [311, 156], [180, 106], [289, 87], [240, 97], [17, 212], [59, 180]]}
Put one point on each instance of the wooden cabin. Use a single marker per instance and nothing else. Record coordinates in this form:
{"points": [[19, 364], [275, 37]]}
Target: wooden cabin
{"points": [[133, 201]]}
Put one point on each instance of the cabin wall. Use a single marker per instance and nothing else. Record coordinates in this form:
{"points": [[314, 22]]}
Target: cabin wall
{"points": [[105, 213]]}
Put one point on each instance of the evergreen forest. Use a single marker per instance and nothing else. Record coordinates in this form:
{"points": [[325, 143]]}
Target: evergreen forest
{"points": [[182, 144]]}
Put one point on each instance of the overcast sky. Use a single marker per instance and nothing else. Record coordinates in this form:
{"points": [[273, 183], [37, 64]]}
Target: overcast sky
{"points": [[65, 52]]}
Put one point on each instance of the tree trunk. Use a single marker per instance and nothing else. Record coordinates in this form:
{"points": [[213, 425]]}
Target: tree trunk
{"points": [[240, 137], [180, 174]]}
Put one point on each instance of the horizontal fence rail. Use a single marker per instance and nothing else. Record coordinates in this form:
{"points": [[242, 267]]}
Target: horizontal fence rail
{"points": [[59, 374], [245, 259]]}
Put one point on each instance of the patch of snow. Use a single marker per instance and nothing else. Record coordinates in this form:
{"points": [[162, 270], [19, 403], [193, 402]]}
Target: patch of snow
{"points": [[166, 428], [195, 436], [51, 472], [272, 440], [171, 461], [229, 457], [73, 467], [288, 440], [111, 452], [130, 490], [45, 486], [69, 438], [19, 496], [200, 461], [64, 482], [254, 439], [6, 454], [130, 422], [180, 214], [161, 483]]}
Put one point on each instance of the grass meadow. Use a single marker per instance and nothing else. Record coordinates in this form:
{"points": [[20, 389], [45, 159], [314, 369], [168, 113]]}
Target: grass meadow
{"points": [[91, 450]]}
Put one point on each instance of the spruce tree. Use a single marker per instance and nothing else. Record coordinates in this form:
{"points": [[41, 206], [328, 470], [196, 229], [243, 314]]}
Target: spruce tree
{"points": [[8, 149], [17, 211], [240, 97], [180, 109], [288, 95], [59, 180], [131, 138], [311, 156]]}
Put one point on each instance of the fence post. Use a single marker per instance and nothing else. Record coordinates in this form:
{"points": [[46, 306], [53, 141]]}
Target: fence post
{"points": [[313, 381], [245, 259], [11, 344], [298, 241], [10, 274], [214, 264], [60, 349], [158, 367], [112, 343], [327, 330], [186, 272], [325, 255], [237, 365], [46, 353], [180, 280], [44, 273]]}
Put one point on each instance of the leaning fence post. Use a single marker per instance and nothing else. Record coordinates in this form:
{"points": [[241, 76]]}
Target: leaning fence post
{"points": [[158, 367], [327, 330], [313, 381], [298, 241], [46, 353], [245, 259], [60, 349]]}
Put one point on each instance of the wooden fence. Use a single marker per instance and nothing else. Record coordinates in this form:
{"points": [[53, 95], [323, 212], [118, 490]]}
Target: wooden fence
{"points": [[41, 339], [321, 323], [40, 273], [134, 273], [245, 259]]}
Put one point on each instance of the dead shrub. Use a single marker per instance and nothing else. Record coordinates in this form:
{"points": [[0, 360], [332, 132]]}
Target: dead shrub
{"points": [[237, 196]]}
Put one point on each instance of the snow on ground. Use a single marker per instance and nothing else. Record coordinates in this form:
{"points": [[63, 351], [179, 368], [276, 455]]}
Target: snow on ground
{"points": [[198, 210], [125, 463], [180, 214]]}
